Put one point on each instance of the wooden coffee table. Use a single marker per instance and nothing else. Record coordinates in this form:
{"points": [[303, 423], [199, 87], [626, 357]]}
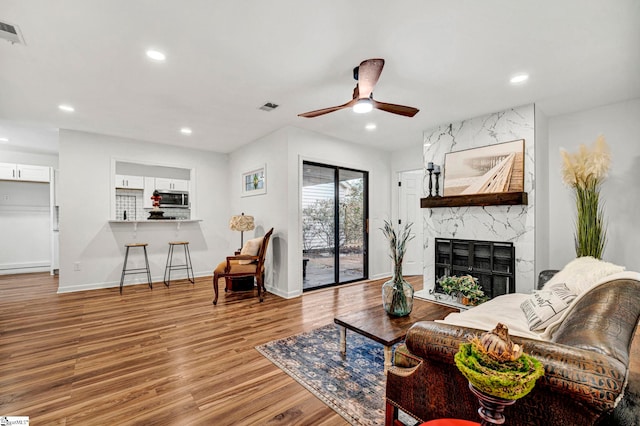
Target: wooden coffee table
{"points": [[377, 325]]}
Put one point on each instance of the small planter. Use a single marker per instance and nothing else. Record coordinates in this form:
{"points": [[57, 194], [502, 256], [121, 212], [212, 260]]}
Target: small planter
{"points": [[463, 289]]}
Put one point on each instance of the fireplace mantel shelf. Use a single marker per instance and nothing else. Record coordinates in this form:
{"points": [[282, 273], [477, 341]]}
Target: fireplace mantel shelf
{"points": [[492, 199]]}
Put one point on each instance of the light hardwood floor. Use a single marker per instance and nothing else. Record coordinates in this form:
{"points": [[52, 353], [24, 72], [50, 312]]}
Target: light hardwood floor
{"points": [[161, 356], [165, 356]]}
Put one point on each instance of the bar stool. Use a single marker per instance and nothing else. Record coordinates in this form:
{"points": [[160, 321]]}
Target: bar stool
{"points": [[131, 271], [171, 267]]}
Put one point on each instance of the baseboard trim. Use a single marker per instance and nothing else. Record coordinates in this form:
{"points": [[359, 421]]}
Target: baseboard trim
{"points": [[285, 295], [25, 267], [129, 281]]}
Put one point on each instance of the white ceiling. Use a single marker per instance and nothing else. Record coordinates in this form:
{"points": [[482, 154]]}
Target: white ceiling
{"points": [[450, 59]]}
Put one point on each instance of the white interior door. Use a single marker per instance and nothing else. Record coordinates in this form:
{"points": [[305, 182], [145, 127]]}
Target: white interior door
{"points": [[409, 211]]}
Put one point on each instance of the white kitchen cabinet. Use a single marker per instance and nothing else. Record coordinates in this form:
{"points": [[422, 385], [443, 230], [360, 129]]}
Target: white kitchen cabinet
{"points": [[129, 182], [24, 172], [172, 184]]}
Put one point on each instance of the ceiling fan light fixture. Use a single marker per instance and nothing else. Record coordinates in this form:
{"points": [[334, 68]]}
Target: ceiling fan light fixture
{"points": [[156, 55], [363, 106], [519, 78]]}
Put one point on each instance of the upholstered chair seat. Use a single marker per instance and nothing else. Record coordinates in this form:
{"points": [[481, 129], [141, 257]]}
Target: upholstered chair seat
{"points": [[236, 268]]}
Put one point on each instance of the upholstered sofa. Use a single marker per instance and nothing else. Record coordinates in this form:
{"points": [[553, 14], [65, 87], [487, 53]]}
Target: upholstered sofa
{"points": [[585, 355]]}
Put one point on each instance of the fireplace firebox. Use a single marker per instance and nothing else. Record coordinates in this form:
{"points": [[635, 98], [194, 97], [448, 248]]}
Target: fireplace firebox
{"points": [[491, 262]]}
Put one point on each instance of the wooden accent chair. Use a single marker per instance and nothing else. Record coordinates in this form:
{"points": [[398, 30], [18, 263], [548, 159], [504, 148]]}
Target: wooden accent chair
{"points": [[233, 268]]}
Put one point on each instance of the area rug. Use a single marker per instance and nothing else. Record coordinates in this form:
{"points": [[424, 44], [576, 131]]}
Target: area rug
{"points": [[353, 386]]}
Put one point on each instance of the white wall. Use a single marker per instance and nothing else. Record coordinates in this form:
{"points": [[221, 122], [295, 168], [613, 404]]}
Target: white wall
{"points": [[25, 227], [86, 236], [620, 125], [25, 222], [283, 153], [270, 209]]}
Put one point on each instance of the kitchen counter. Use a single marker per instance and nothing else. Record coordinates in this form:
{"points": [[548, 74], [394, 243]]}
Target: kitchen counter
{"points": [[157, 221], [135, 223]]}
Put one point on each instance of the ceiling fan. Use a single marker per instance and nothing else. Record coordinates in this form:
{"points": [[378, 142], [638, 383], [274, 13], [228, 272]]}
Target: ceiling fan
{"points": [[367, 75]]}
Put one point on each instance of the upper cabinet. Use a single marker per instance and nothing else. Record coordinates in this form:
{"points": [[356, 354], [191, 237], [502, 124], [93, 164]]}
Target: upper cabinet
{"points": [[129, 182], [23, 172], [172, 184]]}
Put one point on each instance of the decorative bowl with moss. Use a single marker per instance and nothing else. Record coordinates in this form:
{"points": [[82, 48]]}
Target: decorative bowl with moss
{"points": [[496, 366]]}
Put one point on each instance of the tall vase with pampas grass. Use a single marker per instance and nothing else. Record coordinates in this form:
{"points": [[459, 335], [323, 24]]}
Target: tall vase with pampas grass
{"points": [[397, 293], [584, 171]]}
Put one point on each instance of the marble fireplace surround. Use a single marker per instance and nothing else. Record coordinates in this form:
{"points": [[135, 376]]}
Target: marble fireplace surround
{"points": [[491, 223]]}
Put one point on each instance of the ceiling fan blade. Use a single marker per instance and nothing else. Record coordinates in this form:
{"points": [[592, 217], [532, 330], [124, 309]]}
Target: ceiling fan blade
{"points": [[407, 111], [368, 74], [323, 111]]}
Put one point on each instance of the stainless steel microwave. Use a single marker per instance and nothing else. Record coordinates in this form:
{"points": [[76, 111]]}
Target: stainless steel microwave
{"points": [[174, 199]]}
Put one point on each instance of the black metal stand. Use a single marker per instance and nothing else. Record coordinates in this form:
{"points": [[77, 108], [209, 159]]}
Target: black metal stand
{"points": [[145, 270], [171, 267]]}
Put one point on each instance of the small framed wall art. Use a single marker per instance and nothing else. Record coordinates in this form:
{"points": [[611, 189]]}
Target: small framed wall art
{"points": [[493, 168], [254, 182]]}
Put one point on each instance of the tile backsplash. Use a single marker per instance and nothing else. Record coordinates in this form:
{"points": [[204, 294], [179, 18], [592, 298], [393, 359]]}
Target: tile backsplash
{"points": [[129, 201]]}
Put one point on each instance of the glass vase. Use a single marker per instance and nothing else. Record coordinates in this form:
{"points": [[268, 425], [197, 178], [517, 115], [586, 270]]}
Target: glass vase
{"points": [[397, 295]]}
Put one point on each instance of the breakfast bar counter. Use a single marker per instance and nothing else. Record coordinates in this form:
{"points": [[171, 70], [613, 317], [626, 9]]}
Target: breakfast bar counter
{"points": [[135, 223]]}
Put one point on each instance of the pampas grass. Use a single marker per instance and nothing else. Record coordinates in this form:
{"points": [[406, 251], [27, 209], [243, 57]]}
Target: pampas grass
{"points": [[584, 172]]}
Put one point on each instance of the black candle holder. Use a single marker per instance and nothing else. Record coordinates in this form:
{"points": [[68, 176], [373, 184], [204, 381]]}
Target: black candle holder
{"points": [[430, 170], [437, 173]]}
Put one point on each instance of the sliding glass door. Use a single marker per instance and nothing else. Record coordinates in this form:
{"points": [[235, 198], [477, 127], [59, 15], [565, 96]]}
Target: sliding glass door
{"points": [[334, 231]]}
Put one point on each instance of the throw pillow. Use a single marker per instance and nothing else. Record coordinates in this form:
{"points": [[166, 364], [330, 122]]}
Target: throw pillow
{"points": [[250, 248], [545, 306], [582, 273]]}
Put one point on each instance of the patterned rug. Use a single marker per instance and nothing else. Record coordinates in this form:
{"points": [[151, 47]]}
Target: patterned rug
{"points": [[353, 386]]}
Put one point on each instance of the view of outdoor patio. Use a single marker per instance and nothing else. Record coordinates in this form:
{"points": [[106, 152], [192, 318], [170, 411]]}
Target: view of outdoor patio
{"points": [[322, 233]]}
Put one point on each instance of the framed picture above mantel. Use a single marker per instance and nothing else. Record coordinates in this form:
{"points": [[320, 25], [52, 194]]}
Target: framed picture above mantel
{"points": [[254, 182], [489, 169]]}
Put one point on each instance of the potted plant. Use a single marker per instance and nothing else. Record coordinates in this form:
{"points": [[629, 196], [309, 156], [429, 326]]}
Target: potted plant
{"points": [[584, 172], [465, 288], [449, 285], [397, 294]]}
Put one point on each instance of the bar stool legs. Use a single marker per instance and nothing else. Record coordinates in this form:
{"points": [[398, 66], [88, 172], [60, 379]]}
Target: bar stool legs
{"points": [[131, 271], [171, 267]]}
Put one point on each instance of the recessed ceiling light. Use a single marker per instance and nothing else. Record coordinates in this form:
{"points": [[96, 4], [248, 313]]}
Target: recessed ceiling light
{"points": [[66, 108], [4, 139], [156, 55], [186, 131], [370, 126], [519, 78]]}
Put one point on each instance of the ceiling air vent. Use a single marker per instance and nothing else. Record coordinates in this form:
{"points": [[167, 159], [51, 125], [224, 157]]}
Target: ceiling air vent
{"points": [[269, 106], [11, 33]]}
